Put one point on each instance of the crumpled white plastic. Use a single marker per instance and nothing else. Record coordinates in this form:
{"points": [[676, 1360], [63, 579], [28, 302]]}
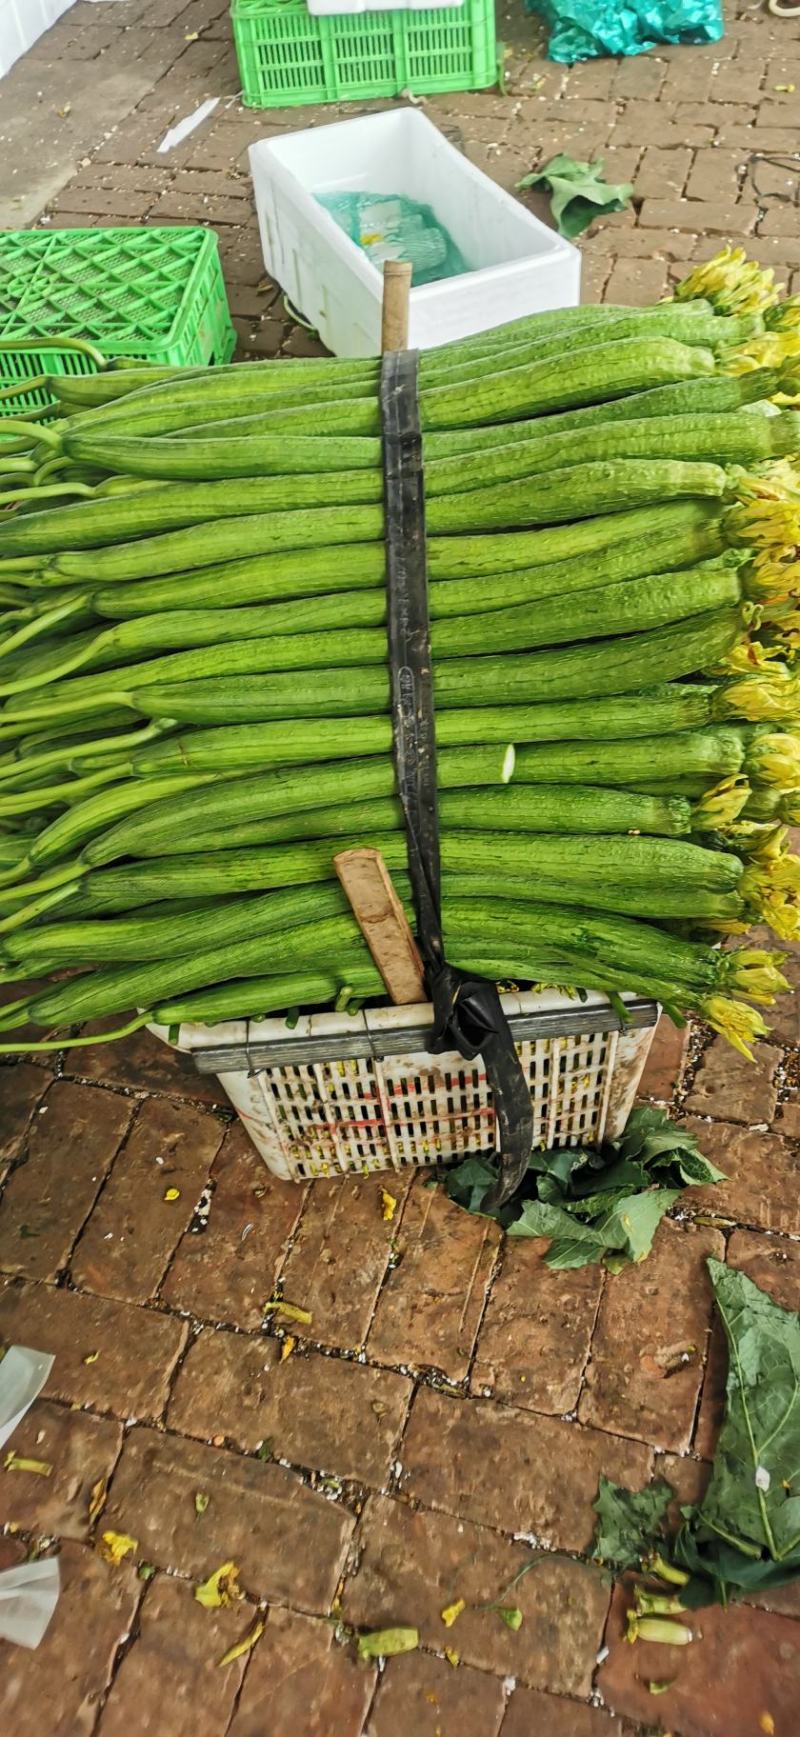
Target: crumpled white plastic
{"points": [[23, 1374], [29, 1592], [28, 1596]]}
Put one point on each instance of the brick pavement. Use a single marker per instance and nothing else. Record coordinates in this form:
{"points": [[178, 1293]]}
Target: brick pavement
{"points": [[452, 1402]]}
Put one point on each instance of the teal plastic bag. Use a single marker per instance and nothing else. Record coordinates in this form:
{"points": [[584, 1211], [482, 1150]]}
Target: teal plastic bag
{"points": [[583, 29]]}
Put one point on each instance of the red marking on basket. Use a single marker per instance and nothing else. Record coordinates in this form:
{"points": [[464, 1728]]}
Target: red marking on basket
{"points": [[348, 1125]]}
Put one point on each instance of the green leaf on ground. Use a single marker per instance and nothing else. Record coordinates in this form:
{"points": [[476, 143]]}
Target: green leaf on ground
{"points": [[753, 1499], [595, 1204], [629, 1521], [578, 193]]}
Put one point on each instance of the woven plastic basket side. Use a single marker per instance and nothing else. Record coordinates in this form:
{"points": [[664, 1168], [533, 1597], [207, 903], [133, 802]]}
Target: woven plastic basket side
{"points": [[287, 57], [364, 1113], [154, 294]]}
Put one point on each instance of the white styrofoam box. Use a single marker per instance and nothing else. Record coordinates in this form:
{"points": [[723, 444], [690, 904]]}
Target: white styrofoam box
{"points": [[518, 265], [22, 22]]}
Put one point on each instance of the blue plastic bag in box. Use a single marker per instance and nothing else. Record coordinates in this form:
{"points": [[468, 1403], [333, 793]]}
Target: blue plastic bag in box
{"points": [[582, 29]]}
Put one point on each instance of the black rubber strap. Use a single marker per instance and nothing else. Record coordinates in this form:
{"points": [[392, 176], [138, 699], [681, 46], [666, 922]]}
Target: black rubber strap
{"points": [[468, 1015]]}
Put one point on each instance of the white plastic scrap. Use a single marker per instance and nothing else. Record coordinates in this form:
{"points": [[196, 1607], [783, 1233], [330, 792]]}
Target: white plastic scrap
{"points": [[28, 1593], [176, 135], [28, 1596], [23, 1374]]}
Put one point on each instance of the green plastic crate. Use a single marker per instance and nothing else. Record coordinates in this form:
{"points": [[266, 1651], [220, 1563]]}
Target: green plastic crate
{"points": [[286, 57], [154, 294]]}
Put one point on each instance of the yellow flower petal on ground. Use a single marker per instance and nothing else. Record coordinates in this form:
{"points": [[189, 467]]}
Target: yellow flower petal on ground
{"points": [[287, 1347], [243, 1646], [115, 1546], [292, 1311], [97, 1498], [451, 1612], [221, 1587], [15, 1463]]}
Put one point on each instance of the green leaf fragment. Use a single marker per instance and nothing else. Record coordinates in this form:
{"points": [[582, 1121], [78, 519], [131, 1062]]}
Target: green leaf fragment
{"points": [[753, 1499], [511, 1615], [595, 1205], [578, 193], [628, 1521], [386, 1643]]}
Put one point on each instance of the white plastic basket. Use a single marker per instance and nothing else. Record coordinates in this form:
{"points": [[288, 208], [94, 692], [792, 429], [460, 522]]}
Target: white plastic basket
{"points": [[519, 265], [346, 1094]]}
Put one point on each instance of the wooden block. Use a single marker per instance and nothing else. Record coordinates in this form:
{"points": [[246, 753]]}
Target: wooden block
{"points": [[383, 923]]}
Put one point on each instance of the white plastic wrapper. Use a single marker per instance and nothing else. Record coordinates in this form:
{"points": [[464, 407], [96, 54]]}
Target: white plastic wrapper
{"points": [[28, 1597], [29, 1592], [23, 1374]]}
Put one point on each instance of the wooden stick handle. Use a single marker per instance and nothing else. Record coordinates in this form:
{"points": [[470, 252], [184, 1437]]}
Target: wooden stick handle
{"points": [[383, 923], [396, 292]]}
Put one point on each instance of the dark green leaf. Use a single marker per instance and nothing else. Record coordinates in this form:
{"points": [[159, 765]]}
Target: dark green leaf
{"points": [[629, 1522], [753, 1500], [633, 1222], [538, 1218]]}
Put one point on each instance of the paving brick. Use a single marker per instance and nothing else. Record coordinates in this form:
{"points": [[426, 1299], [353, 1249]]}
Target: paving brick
{"points": [[638, 282], [728, 1085], [715, 175], [737, 1652], [693, 115], [688, 79], [311, 1685], [762, 1173], [133, 1352], [779, 220], [530, 1713], [590, 79], [289, 1542], [669, 244], [415, 1564], [737, 82], [143, 1063], [453, 1448], [228, 1271], [644, 123], [637, 1382], [784, 1017], [424, 1695], [663, 1069], [534, 1338], [46, 1201], [641, 76], [339, 1256], [773, 1263], [124, 204], [693, 214], [595, 272], [787, 1121], [134, 1229], [689, 1480], [82, 1451], [177, 1651], [431, 1305], [21, 1087], [662, 171], [57, 1688], [322, 1412], [773, 180]]}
